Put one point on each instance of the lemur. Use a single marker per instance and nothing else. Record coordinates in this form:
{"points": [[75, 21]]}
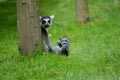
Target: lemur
{"points": [[62, 46]]}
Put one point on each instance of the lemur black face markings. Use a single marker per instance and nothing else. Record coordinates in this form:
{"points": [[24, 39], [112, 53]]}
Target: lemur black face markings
{"points": [[62, 47], [46, 21]]}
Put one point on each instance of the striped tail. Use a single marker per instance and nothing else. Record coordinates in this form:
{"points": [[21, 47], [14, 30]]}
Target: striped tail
{"points": [[64, 44]]}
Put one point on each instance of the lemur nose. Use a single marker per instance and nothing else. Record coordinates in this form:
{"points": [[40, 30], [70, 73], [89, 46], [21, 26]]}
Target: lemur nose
{"points": [[46, 25]]}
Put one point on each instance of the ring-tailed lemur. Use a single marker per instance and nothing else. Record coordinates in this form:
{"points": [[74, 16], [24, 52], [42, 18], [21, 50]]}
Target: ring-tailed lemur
{"points": [[62, 47]]}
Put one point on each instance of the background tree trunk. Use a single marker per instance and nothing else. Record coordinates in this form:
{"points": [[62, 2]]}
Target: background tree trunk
{"points": [[82, 14], [29, 31]]}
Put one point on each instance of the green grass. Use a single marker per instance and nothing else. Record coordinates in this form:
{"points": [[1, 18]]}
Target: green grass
{"points": [[94, 48]]}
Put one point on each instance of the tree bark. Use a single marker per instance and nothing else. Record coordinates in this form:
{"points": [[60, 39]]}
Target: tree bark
{"points": [[29, 31], [82, 14]]}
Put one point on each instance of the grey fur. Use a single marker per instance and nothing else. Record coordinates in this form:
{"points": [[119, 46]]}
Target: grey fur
{"points": [[62, 47]]}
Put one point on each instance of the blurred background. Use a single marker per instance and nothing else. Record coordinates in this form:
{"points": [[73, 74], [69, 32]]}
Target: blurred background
{"points": [[94, 46]]}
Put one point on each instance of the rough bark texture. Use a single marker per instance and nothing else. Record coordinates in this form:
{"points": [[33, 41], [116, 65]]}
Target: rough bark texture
{"points": [[29, 31], [82, 14]]}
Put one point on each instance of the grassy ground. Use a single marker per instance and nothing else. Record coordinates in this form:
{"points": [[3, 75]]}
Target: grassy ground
{"points": [[94, 50]]}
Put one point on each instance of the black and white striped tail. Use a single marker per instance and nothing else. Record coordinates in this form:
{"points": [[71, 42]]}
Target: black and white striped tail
{"points": [[64, 44]]}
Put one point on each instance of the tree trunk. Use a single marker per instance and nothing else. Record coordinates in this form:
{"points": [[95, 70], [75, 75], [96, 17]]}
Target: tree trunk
{"points": [[82, 14], [29, 31]]}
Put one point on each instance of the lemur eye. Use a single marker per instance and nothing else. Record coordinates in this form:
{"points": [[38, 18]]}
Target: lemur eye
{"points": [[48, 21], [43, 21]]}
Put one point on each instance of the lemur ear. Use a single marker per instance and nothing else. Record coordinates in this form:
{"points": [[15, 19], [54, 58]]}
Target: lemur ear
{"points": [[52, 17], [40, 17]]}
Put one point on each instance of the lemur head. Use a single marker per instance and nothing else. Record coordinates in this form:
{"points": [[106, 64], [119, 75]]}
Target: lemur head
{"points": [[46, 21]]}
